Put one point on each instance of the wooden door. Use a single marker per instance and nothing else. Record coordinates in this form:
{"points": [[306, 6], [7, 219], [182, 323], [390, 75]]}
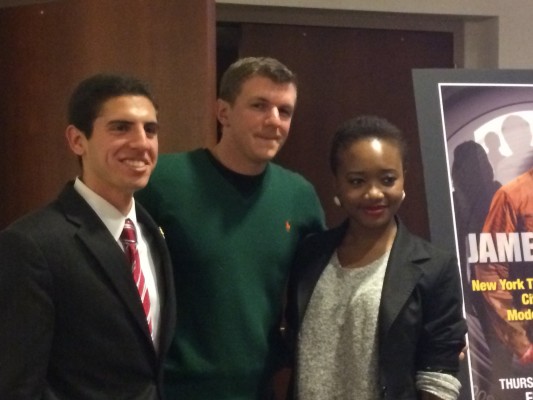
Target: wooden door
{"points": [[46, 49], [344, 72]]}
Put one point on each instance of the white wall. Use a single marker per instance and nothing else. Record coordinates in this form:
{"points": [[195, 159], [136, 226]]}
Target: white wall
{"points": [[491, 33]]}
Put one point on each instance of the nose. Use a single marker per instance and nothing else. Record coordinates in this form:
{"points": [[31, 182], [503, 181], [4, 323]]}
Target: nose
{"points": [[273, 117], [374, 192], [139, 137]]}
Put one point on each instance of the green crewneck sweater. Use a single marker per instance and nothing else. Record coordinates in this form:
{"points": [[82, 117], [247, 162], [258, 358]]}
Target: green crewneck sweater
{"points": [[231, 238]]}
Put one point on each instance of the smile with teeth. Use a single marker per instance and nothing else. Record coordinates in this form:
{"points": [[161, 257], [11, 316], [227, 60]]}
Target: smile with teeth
{"points": [[135, 163]]}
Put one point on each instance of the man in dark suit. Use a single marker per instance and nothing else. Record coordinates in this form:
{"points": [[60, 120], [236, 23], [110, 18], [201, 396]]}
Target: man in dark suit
{"points": [[86, 312]]}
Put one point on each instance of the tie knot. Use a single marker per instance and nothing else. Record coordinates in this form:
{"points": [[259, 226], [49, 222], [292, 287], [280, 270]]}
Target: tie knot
{"points": [[128, 235]]}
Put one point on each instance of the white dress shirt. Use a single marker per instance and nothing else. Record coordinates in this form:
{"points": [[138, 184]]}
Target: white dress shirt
{"points": [[114, 220]]}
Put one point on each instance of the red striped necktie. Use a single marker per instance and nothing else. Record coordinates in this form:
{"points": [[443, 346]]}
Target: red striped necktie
{"points": [[129, 240]]}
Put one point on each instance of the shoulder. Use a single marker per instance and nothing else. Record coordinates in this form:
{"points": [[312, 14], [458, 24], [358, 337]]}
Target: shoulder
{"points": [[44, 218], [180, 167], [284, 174], [419, 249], [321, 242], [294, 189], [37, 232], [516, 190], [29, 223], [166, 163], [332, 235], [292, 184], [172, 172], [417, 262]]}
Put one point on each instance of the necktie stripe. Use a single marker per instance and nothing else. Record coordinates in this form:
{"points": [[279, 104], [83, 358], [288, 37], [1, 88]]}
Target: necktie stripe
{"points": [[128, 239]]}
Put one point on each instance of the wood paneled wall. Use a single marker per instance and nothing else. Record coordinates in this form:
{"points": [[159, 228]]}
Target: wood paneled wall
{"points": [[46, 49], [344, 72]]}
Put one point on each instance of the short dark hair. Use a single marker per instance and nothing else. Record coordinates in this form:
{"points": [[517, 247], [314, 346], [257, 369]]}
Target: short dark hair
{"points": [[245, 68], [89, 96], [361, 128]]}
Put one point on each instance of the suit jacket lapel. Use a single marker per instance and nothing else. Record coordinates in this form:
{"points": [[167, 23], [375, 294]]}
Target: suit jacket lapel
{"points": [[400, 278], [165, 279], [110, 257]]}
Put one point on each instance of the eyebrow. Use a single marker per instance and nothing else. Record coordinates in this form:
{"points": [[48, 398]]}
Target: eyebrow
{"points": [[261, 98], [382, 171], [128, 122], [119, 121]]}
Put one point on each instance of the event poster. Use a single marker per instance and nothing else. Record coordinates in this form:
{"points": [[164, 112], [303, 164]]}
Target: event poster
{"points": [[486, 128]]}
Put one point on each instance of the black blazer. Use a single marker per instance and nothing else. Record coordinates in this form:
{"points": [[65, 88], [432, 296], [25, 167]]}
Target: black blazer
{"points": [[72, 324], [421, 326]]}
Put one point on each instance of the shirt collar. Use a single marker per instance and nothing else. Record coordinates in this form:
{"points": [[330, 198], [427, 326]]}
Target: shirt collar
{"points": [[112, 218]]}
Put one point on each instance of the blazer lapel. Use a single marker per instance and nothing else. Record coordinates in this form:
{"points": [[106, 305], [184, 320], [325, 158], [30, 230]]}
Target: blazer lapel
{"points": [[308, 283], [320, 254], [165, 278], [110, 258], [400, 278]]}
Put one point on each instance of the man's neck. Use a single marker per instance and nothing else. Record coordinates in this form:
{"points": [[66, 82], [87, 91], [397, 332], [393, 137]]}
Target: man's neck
{"points": [[121, 201], [235, 163]]}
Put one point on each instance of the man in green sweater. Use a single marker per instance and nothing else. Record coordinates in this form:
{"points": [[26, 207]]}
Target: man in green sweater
{"points": [[232, 220]]}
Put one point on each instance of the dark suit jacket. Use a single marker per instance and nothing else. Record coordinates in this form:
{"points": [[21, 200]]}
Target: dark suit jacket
{"points": [[72, 324], [421, 326]]}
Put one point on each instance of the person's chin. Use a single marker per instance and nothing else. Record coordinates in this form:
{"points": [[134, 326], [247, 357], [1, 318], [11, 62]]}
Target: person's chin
{"points": [[265, 157], [376, 221], [274, 152], [138, 184]]}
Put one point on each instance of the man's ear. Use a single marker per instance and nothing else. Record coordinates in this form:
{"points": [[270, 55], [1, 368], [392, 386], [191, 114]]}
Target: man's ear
{"points": [[223, 108], [76, 140]]}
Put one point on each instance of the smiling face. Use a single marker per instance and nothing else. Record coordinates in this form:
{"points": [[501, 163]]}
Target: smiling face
{"points": [[369, 181], [121, 152], [256, 125]]}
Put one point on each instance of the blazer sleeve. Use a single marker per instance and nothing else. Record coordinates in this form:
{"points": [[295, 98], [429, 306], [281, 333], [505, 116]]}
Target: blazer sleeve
{"points": [[444, 328], [26, 325]]}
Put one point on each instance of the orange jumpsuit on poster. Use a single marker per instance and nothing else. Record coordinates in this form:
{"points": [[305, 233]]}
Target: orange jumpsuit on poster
{"points": [[511, 211]]}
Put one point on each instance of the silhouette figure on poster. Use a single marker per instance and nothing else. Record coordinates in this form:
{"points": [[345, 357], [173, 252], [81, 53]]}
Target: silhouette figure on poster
{"points": [[493, 143], [474, 187], [517, 134]]}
